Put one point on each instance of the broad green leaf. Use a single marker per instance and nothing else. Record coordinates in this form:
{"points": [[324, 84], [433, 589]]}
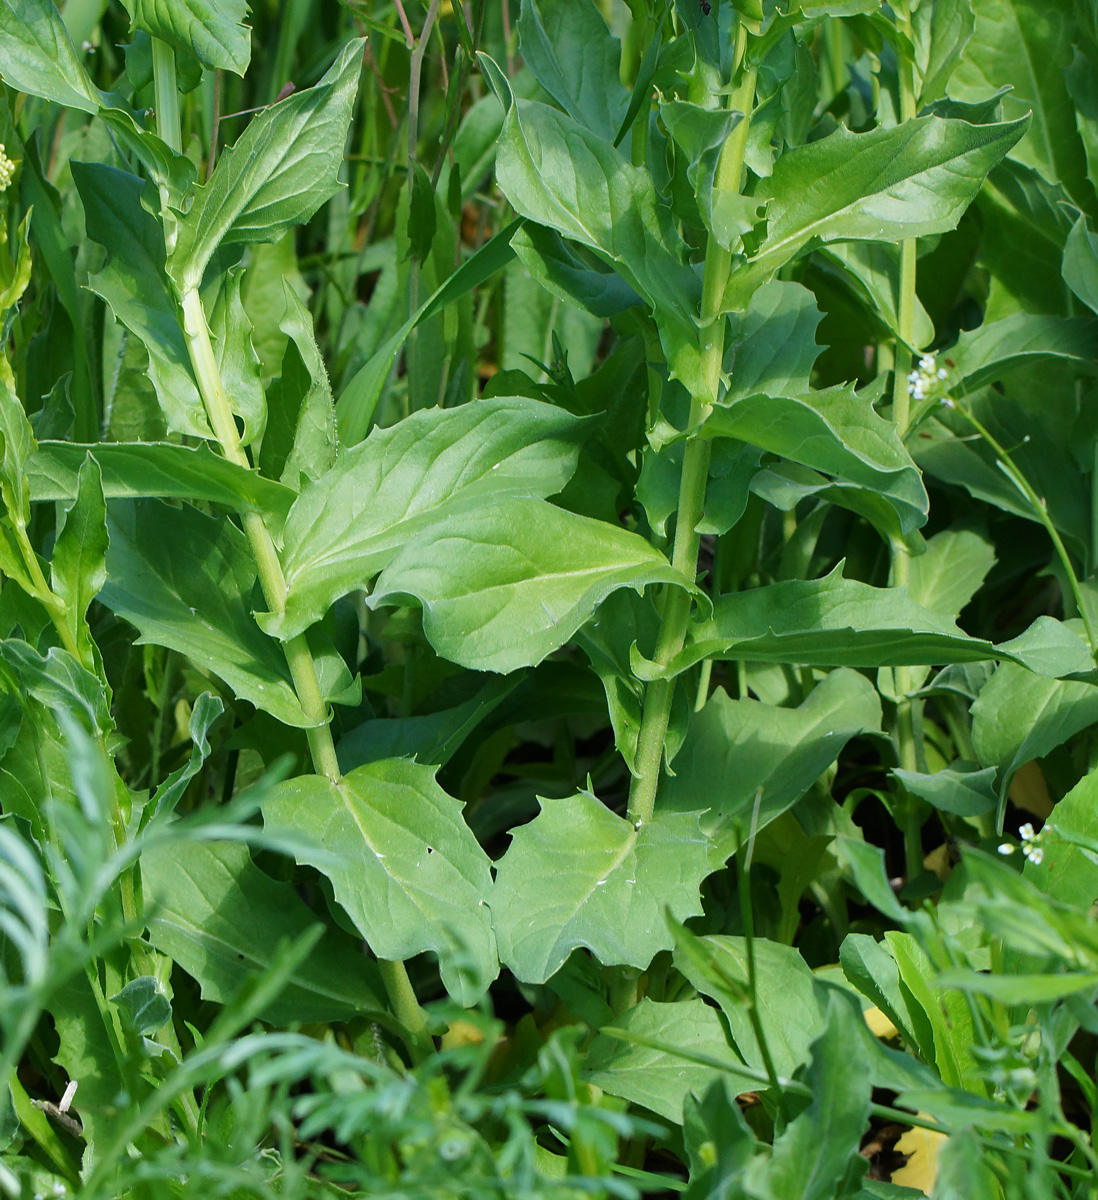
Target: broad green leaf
{"points": [[791, 1004], [871, 969], [358, 400], [966, 792], [890, 184], [1027, 44], [143, 1007], [949, 573], [579, 875], [811, 1157], [718, 1141], [137, 470], [349, 524], [964, 1169], [16, 448], [572, 273], [737, 748], [85, 1052], [1020, 716], [407, 870], [213, 32], [657, 1078], [58, 681], [949, 1016], [279, 172], [572, 54], [432, 738], [215, 913], [134, 284], [37, 55], [559, 174], [186, 582], [504, 584], [300, 441], [775, 342], [989, 352], [78, 568], [872, 270], [699, 135], [835, 431], [237, 362], [941, 31], [840, 622], [1080, 265], [1067, 872]]}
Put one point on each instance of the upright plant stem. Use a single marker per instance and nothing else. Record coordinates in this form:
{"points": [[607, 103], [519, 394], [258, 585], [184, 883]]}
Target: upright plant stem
{"points": [[901, 559], [299, 657], [695, 469]]}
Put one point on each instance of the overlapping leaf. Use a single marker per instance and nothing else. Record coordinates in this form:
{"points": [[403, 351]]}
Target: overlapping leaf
{"points": [[351, 522], [579, 875], [402, 862]]}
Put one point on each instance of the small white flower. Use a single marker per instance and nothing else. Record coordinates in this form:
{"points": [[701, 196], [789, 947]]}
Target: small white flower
{"points": [[1031, 844], [946, 402], [942, 373], [927, 363], [1005, 848], [7, 169]]}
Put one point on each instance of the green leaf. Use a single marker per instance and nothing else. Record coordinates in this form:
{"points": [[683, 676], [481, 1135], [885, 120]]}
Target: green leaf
{"points": [[735, 748], [836, 431], [1020, 716], [279, 172], [217, 915], [37, 55], [572, 273], [950, 571], [871, 969], [872, 270], [962, 789], [16, 447], [891, 184], [718, 1141], [572, 54], [134, 284], [791, 1004], [657, 1078], [1080, 264], [207, 709], [840, 622], [143, 1006], [1067, 872], [941, 32], [775, 342], [812, 1155], [579, 875], [699, 135], [402, 863], [988, 353], [559, 174], [237, 362], [509, 582], [351, 522], [78, 569], [213, 32], [57, 680], [1028, 990], [186, 581], [301, 439], [965, 1171], [138, 470], [1028, 44]]}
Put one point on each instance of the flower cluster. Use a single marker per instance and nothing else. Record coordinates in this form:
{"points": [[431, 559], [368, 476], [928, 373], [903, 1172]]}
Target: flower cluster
{"points": [[927, 379], [7, 169], [1031, 844]]}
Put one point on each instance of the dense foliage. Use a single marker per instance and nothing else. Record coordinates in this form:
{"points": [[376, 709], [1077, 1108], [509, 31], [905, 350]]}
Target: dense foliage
{"points": [[550, 598]]}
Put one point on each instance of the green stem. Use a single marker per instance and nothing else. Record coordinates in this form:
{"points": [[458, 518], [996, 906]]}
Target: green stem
{"points": [[299, 657], [166, 95], [695, 471], [406, 1007], [901, 558]]}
